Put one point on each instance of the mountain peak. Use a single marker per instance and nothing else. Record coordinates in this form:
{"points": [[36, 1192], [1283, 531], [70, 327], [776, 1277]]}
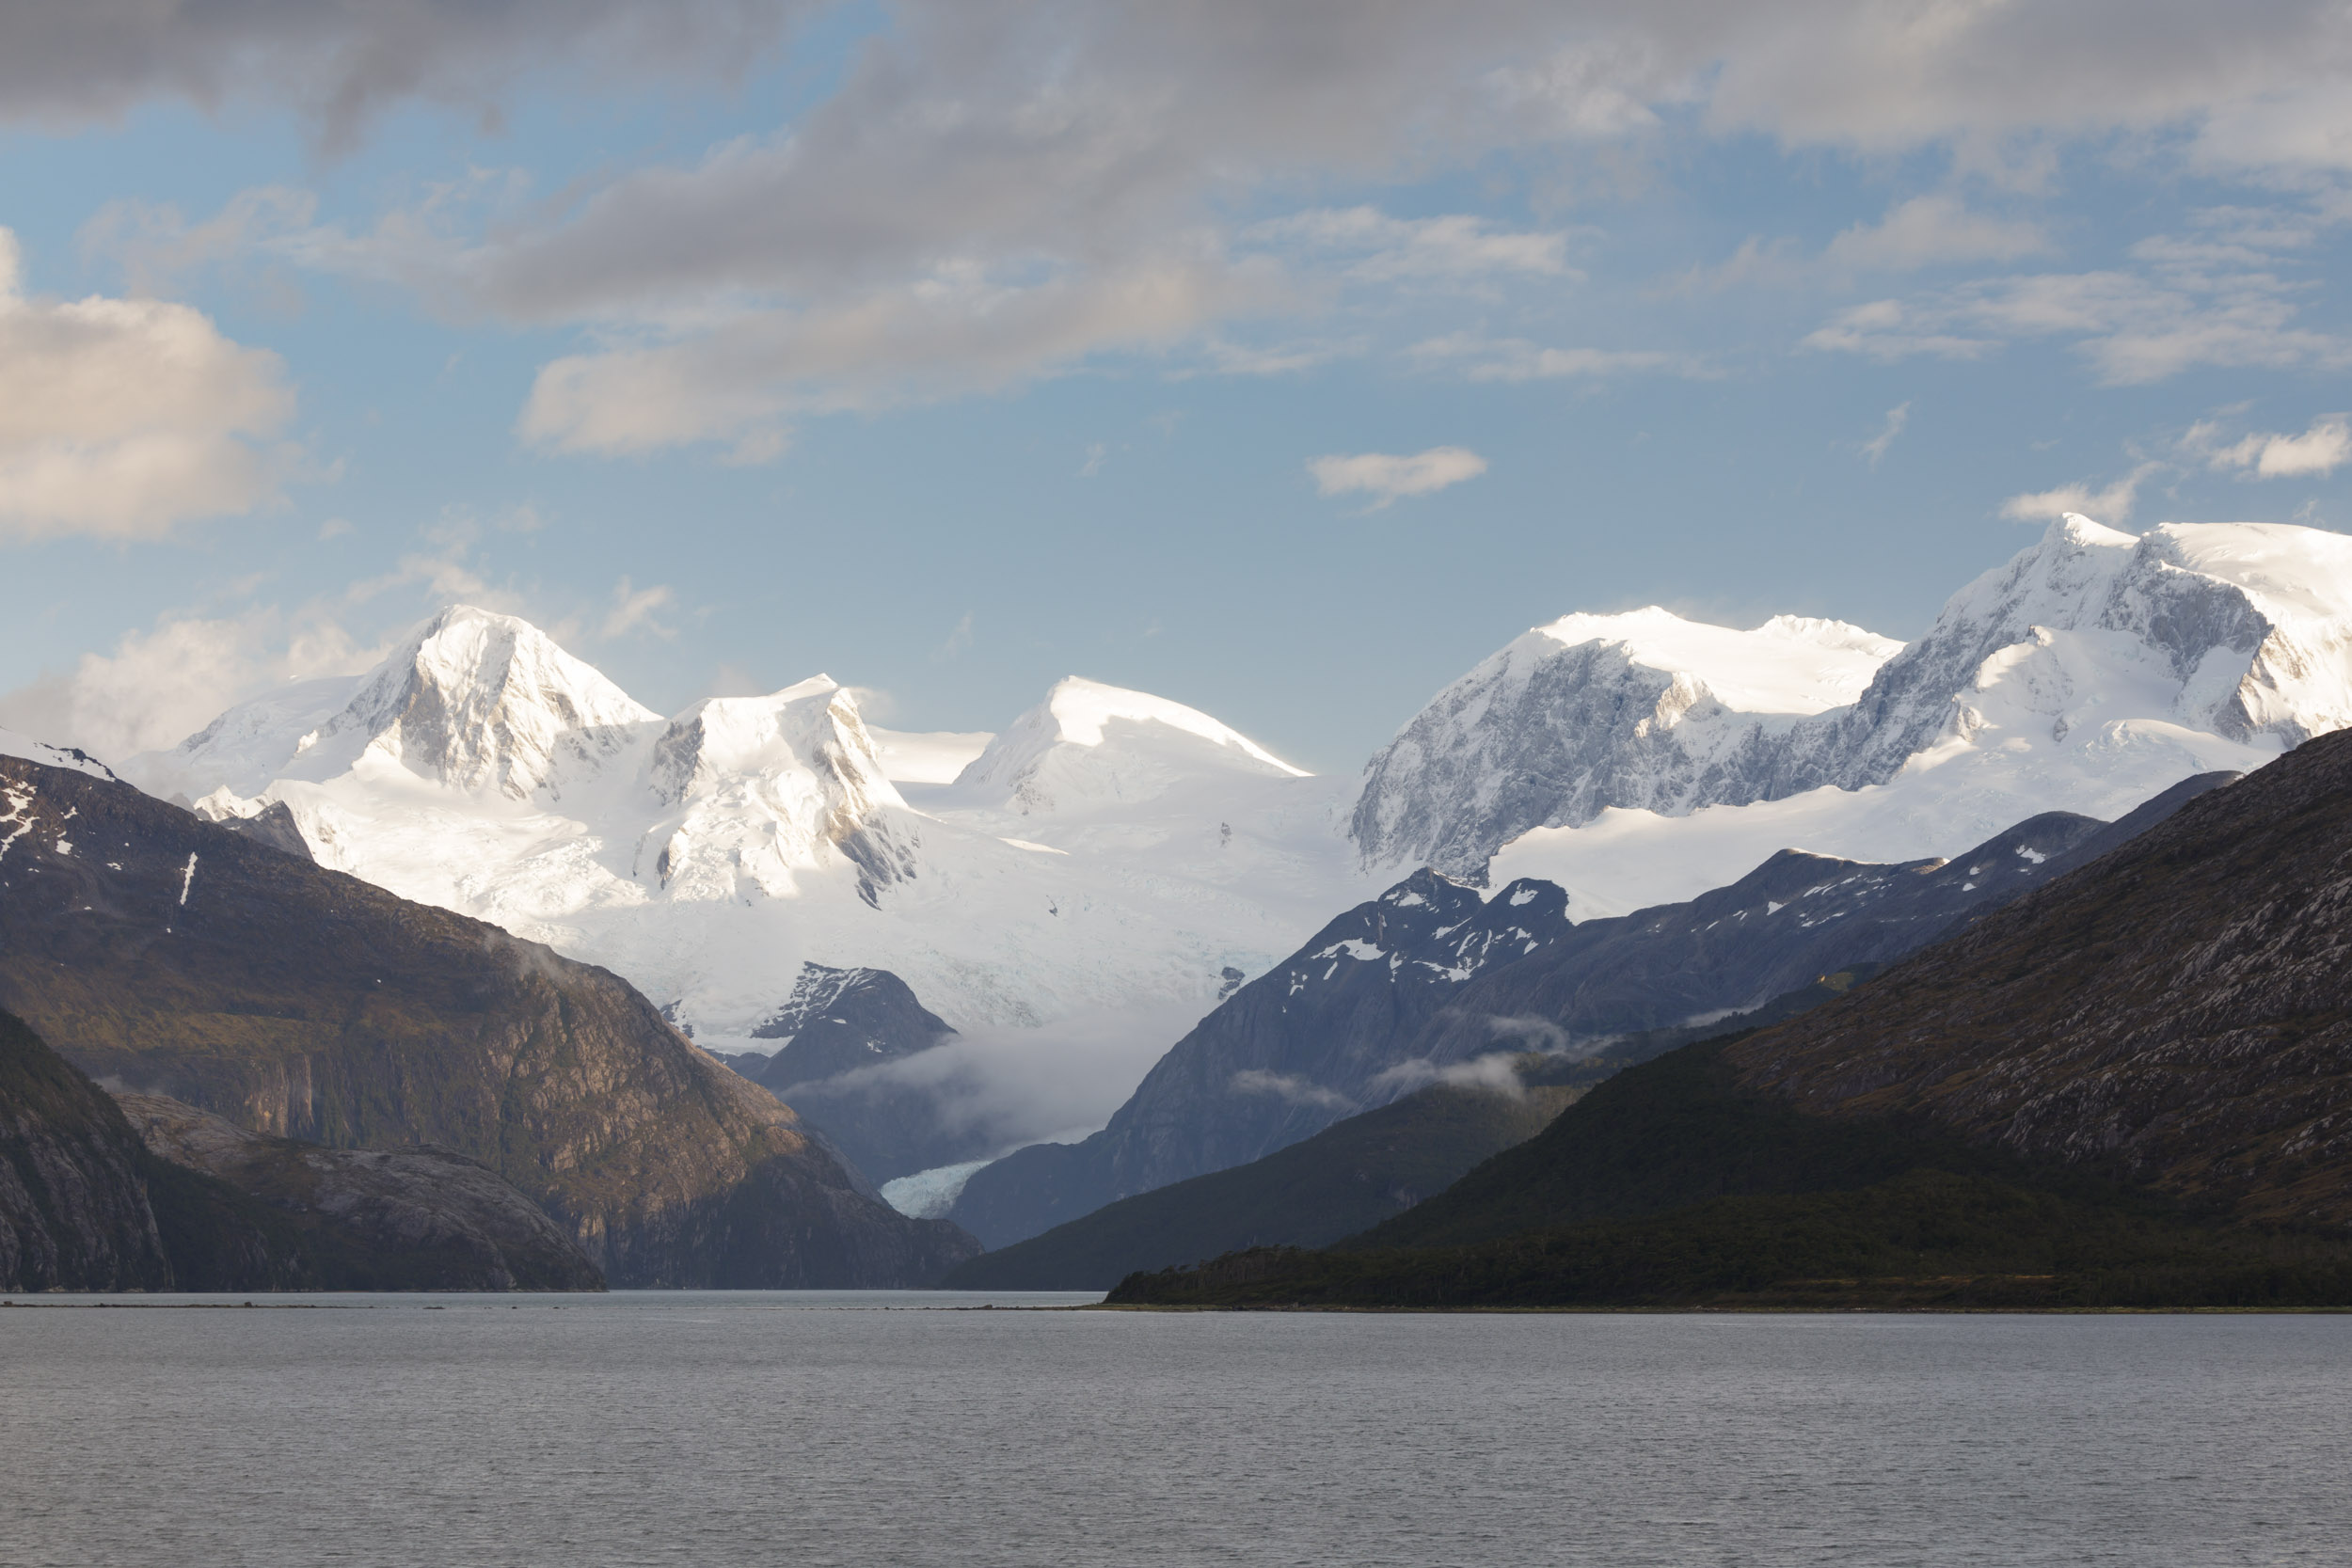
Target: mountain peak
{"points": [[1091, 741], [478, 700]]}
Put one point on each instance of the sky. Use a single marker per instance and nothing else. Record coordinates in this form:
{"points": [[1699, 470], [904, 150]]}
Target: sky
{"points": [[1280, 360]]}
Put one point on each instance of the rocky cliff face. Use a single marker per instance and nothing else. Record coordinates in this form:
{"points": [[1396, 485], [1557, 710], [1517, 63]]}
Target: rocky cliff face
{"points": [[416, 1218], [2179, 1012], [73, 1209], [169, 955]]}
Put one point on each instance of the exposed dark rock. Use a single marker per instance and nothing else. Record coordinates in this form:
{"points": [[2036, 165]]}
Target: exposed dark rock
{"points": [[412, 1218], [275, 826], [73, 1209], [174, 956], [838, 1024]]}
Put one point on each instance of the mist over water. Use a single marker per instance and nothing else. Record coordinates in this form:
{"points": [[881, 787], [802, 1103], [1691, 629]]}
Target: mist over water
{"points": [[843, 1428]]}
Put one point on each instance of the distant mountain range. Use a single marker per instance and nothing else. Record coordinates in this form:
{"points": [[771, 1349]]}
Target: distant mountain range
{"points": [[1429, 981], [2127, 1088], [1117, 858]]}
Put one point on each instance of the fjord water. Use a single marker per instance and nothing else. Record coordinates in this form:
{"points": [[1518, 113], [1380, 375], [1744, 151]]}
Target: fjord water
{"points": [[849, 1429]]}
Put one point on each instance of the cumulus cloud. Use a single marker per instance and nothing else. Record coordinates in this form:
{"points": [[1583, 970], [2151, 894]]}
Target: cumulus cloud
{"points": [[2322, 448], [124, 417], [959, 331], [1002, 189], [2111, 503], [1386, 477], [161, 685]]}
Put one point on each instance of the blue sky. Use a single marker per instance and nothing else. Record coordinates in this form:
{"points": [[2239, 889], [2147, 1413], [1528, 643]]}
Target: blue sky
{"points": [[950, 350]]}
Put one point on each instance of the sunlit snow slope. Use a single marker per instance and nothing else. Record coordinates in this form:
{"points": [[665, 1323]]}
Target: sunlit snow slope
{"points": [[2092, 671], [1110, 851]]}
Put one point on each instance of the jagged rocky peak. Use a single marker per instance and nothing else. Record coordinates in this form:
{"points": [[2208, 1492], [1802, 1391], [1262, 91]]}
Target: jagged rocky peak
{"points": [[1090, 743], [764, 787], [1591, 711]]}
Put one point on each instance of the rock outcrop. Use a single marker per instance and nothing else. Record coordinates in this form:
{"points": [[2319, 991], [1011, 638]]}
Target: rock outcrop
{"points": [[73, 1209]]}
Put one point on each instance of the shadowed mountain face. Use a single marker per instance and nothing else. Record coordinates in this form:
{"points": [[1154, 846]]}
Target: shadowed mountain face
{"points": [[837, 1023], [1672, 1184], [168, 955], [417, 1218], [1429, 978], [1351, 1175], [2179, 1013], [73, 1209]]}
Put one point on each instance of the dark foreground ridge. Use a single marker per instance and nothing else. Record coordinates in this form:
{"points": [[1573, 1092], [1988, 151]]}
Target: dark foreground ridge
{"points": [[1349, 1176], [2128, 1089], [167, 956], [1679, 1188]]}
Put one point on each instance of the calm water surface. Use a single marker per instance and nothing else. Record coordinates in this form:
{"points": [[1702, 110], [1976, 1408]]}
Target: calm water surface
{"points": [[845, 1429]]}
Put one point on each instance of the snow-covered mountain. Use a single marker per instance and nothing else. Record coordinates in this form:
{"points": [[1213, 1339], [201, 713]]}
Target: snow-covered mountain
{"points": [[2091, 671], [1639, 709], [1111, 857], [1072, 892]]}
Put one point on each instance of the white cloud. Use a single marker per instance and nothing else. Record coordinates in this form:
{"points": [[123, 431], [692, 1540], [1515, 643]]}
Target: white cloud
{"points": [[638, 608], [1486, 358], [1290, 1088], [2322, 448], [960, 331], [124, 417], [159, 686], [1385, 477], [1934, 231], [2131, 327], [1896, 418], [1387, 249], [2110, 504], [1001, 191]]}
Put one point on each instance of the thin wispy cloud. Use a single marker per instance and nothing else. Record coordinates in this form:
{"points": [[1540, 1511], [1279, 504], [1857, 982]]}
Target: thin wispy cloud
{"points": [[1386, 478], [1896, 418]]}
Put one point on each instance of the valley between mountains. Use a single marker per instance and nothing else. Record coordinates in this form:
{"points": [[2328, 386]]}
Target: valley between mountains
{"points": [[2004, 953]]}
